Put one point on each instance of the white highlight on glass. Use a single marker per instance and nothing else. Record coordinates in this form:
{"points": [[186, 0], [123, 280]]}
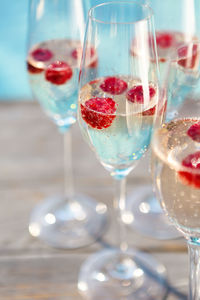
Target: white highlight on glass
{"points": [[34, 229], [144, 207], [50, 219]]}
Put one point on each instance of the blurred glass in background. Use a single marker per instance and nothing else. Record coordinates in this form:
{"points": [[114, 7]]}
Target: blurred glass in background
{"points": [[13, 32]]}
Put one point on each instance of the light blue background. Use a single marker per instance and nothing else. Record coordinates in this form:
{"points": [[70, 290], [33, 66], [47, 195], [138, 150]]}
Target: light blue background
{"points": [[13, 31], [13, 26]]}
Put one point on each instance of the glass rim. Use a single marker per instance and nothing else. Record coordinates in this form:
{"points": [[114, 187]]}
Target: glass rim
{"points": [[118, 2]]}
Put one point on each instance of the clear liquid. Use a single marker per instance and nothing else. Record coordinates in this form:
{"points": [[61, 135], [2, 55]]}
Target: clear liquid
{"points": [[179, 80], [180, 200], [58, 101], [124, 142]]}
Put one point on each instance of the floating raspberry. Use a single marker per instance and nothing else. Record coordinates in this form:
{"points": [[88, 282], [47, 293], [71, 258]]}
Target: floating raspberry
{"points": [[149, 112], [164, 39], [162, 59], [94, 81], [33, 70], [95, 62], [194, 132], [42, 54], [192, 161], [76, 53], [98, 112], [58, 72], [135, 94], [188, 56], [114, 85]]}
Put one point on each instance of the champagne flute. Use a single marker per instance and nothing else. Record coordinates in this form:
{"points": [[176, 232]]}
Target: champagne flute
{"points": [[176, 22], [55, 36], [176, 159], [116, 112]]}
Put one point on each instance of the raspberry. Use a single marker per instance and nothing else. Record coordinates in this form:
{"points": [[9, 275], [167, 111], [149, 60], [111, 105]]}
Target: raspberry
{"points": [[42, 54], [95, 62], [135, 94], [33, 69], [189, 56], [58, 72], [114, 85], [76, 53], [95, 81], [164, 39], [162, 59], [149, 112], [194, 132], [98, 112], [192, 161]]}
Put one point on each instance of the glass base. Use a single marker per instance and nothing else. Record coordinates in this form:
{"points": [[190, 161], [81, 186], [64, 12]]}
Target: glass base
{"points": [[148, 217], [113, 275], [68, 225]]}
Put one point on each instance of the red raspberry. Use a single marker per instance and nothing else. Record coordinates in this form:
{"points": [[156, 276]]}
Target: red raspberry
{"points": [[98, 112], [58, 72], [164, 39], [149, 112], [162, 59], [76, 53], [188, 56], [114, 85], [42, 54], [33, 69], [95, 62], [192, 161], [194, 132], [135, 94], [94, 81]]}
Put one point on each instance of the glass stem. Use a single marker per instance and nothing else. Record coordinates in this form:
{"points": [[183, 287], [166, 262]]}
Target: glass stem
{"points": [[119, 206], [194, 280], [68, 166]]}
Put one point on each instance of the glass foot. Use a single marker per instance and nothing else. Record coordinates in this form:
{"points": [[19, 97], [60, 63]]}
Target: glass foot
{"points": [[113, 275], [68, 225], [148, 217]]}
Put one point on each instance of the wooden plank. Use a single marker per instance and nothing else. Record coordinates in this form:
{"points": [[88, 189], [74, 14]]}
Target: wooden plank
{"points": [[54, 276], [31, 160]]}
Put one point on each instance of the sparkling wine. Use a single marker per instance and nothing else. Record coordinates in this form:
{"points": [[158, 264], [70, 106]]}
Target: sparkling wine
{"points": [[182, 75], [53, 68], [176, 151], [120, 133]]}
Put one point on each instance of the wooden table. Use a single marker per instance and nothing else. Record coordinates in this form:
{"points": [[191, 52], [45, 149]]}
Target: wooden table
{"points": [[31, 169]]}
